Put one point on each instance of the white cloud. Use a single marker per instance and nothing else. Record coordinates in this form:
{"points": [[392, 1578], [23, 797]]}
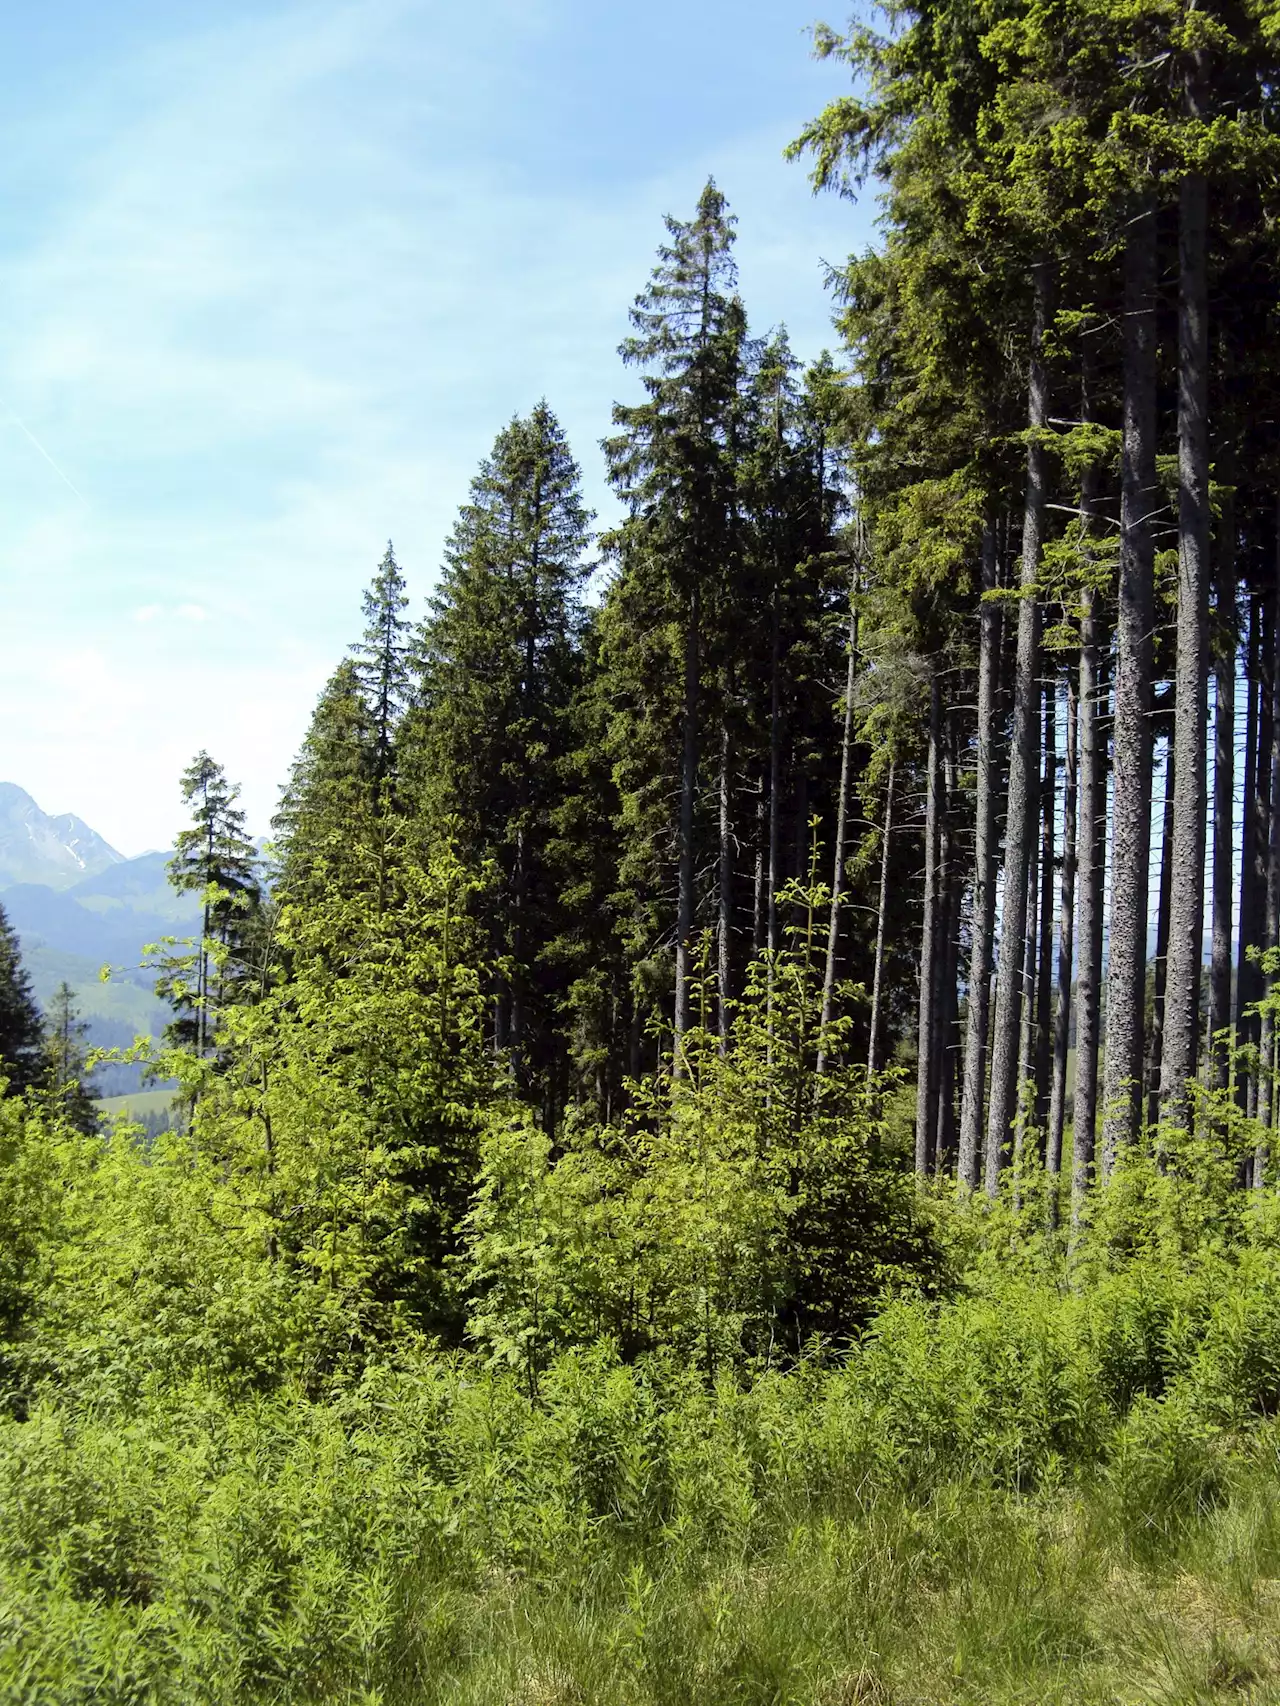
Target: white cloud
{"points": [[275, 316]]}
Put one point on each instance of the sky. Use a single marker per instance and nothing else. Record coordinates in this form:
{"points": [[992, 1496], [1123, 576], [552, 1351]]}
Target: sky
{"points": [[271, 280]]}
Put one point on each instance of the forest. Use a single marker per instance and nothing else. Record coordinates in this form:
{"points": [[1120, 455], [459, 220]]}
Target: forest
{"points": [[727, 1149]]}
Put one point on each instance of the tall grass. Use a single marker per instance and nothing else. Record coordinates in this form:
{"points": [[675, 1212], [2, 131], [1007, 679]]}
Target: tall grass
{"points": [[1027, 1494]]}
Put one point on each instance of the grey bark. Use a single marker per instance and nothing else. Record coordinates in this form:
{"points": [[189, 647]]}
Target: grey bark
{"points": [[688, 791], [1271, 937], [926, 1060], [945, 985], [1224, 758], [1044, 967], [1023, 752], [1066, 952], [1191, 715], [984, 861], [1131, 745], [873, 1059], [1155, 1043], [1252, 854], [724, 922], [1091, 857], [842, 816]]}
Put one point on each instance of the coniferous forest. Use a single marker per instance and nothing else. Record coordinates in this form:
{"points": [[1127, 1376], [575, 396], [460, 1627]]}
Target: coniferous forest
{"points": [[727, 1151]]}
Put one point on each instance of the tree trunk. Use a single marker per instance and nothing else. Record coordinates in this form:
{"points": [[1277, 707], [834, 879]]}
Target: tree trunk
{"points": [[1224, 756], [1131, 745], [1266, 1032], [724, 922], [1026, 1041], [842, 815], [1023, 777], [688, 792], [984, 873], [1252, 857], [947, 954], [757, 910], [926, 1060], [877, 981], [1091, 847], [1044, 970], [1191, 716], [1066, 951], [775, 806], [1155, 1045]]}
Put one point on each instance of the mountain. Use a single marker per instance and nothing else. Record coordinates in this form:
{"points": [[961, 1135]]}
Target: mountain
{"points": [[54, 851], [78, 905]]}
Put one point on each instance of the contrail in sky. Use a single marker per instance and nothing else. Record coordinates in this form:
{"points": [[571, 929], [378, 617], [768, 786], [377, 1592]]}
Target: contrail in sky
{"points": [[40, 447]]}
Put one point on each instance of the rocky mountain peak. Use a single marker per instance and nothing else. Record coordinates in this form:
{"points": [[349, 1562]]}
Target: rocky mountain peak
{"points": [[36, 847]]}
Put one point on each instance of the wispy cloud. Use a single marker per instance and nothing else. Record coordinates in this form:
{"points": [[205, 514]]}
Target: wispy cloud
{"points": [[315, 257]]}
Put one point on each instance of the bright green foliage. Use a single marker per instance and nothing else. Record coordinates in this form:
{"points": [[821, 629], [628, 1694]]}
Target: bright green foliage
{"points": [[738, 1213], [348, 1120]]}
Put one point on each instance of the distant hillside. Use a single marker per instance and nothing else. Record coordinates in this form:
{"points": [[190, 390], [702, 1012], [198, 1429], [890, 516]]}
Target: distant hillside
{"points": [[37, 848], [74, 918]]}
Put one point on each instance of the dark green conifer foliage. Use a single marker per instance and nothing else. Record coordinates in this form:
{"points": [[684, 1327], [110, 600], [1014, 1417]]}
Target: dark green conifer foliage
{"points": [[215, 859], [21, 1031], [672, 461], [66, 1054], [382, 654], [499, 673], [332, 787]]}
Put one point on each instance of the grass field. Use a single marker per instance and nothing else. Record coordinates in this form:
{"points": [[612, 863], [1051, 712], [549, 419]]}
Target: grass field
{"points": [[139, 1106]]}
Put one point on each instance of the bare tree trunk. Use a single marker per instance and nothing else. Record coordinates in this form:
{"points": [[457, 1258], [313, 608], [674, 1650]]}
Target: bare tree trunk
{"points": [[1131, 746], [947, 957], [775, 803], [1044, 970], [984, 873], [1252, 856], [873, 1058], [757, 911], [926, 1060], [1224, 757], [1155, 1043], [1091, 857], [1066, 950], [688, 792], [1026, 1038], [1191, 718], [1266, 1033], [1023, 777], [724, 922], [842, 814]]}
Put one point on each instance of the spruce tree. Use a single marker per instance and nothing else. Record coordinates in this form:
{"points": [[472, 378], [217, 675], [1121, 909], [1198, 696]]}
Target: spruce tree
{"points": [[382, 659], [332, 789], [214, 859], [671, 461], [499, 670], [21, 1027], [66, 1054]]}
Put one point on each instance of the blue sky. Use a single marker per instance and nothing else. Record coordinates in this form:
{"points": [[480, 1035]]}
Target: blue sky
{"points": [[272, 277]]}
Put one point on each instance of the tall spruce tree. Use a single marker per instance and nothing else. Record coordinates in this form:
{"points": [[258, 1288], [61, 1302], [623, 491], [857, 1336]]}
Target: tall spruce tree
{"points": [[67, 1075], [500, 667], [215, 859], [671, 460], [382, 660]]}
